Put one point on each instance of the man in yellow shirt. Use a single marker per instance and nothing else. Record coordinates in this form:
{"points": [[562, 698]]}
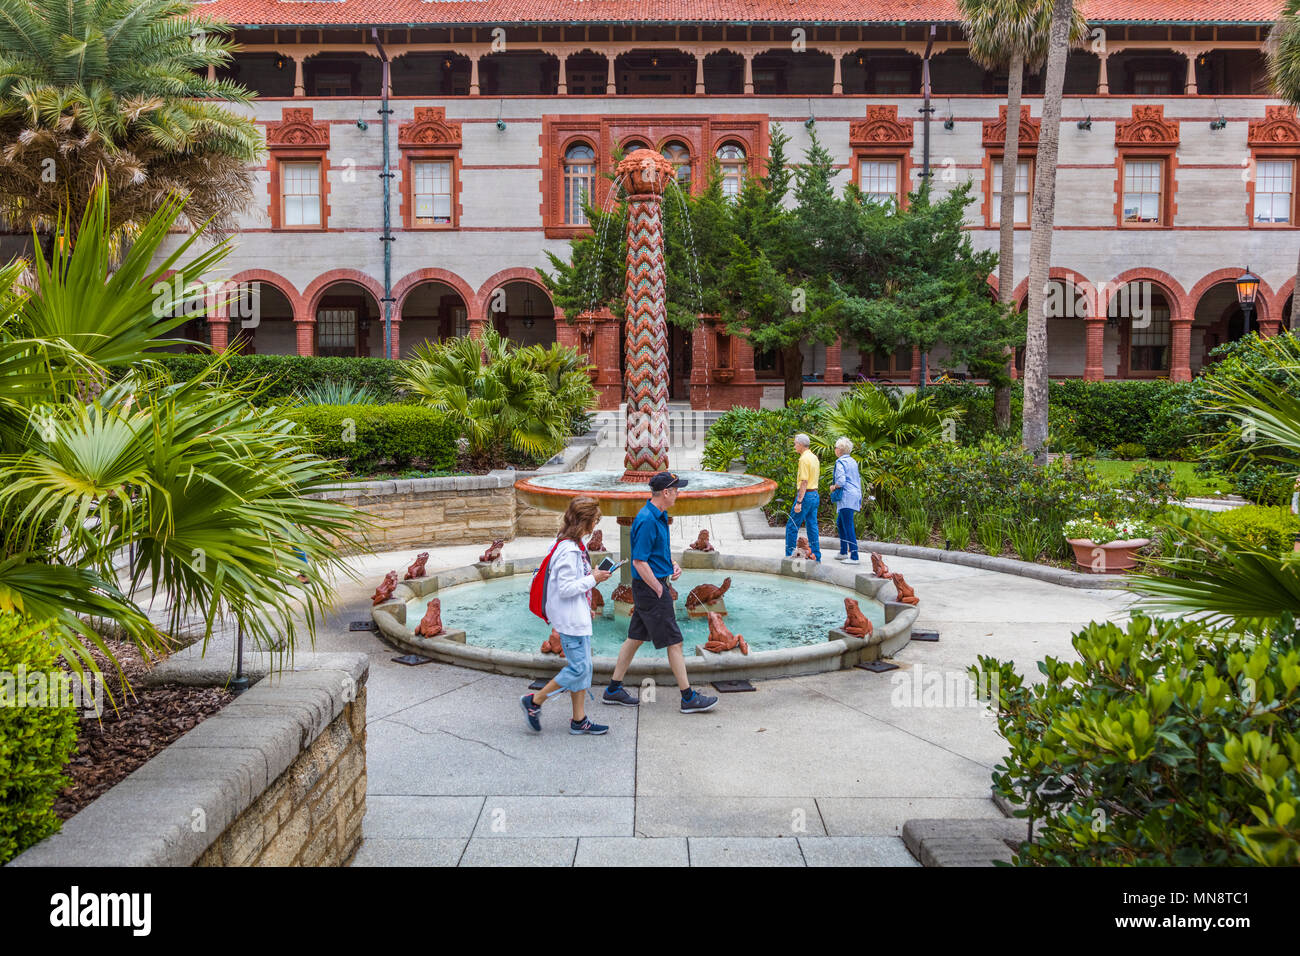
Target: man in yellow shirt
{"points": [[803, 513]]}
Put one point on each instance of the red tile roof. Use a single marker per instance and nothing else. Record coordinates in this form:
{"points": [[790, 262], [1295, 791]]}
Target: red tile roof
{"points": [[438, 12]]}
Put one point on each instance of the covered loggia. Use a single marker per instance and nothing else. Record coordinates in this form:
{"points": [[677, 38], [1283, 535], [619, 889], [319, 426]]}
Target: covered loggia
{"points": [[431, 74], [431, 312], [270, 329], [349, 322], [522, 312]]}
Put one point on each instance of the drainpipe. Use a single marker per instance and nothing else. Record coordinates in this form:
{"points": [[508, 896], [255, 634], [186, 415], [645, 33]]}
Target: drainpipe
{"points": [[926, 111], [387, 177]]}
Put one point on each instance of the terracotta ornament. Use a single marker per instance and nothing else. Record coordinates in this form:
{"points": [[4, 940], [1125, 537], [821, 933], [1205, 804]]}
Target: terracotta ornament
{"points": [[672, 591], [597, 541], [702, 542], [706, 593], [493, 552], [856, 623], [416, 570], [721, 639], [905, 593], [385, 589], [596, 602], [802, 549], [622, 594], [431, 624], [552, 644], [878, 567]]}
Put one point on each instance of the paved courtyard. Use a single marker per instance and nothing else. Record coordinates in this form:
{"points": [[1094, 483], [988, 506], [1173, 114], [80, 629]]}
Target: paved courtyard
{"points": [[818, 770]]}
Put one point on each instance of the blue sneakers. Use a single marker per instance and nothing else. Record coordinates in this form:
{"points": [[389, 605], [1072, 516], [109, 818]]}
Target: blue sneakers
{"points": [[532, 712], [698, 703], [586, 727], [620, 696]]}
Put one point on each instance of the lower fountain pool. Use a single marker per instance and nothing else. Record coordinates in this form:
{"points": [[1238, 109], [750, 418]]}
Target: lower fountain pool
{"points": [[771, 612]]}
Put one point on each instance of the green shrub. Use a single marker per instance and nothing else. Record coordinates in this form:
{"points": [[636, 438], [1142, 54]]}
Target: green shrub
{"points": [[365, 438], [1257, 527], [765, 439], [283, 376], [1129, 451], [36, 742], [1264, 484], [1161, 745]]}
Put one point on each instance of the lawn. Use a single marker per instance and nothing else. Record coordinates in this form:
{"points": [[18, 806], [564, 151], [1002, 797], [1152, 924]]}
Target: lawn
{"points": [[1185, 471]]}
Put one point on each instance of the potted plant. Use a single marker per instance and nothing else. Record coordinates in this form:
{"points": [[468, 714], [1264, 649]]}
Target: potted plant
{"points": [[1102, 544]]}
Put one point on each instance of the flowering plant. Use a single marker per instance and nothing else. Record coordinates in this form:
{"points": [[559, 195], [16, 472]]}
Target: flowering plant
{"points": [[1101, 530]]}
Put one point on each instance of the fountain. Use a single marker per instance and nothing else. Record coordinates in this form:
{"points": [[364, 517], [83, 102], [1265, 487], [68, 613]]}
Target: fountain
{"points": [[491, 596], [644, 174]]}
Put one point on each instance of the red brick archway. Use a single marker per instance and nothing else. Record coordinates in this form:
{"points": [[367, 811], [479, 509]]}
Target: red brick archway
{"points": [[478, 311], [220, 325], [1182, 310], [1266, 306], [313, 294], [420, 276]]}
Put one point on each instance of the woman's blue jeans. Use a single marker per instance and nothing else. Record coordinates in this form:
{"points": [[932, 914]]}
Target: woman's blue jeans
{"points": [[847, 531]]}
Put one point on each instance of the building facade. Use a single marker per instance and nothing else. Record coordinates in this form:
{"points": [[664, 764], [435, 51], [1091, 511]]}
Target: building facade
{"points": [[1177, 169]]}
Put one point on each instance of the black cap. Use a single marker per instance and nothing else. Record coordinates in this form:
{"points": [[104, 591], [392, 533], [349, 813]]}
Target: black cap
{"points": [[665, 480]]}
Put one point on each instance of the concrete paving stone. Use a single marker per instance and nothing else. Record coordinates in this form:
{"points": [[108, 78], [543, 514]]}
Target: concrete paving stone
{"points": [[511, 817], [553, 851], [745, 851], [631, 851], [476, 738], [445, 851], [784, 739], [689, 815], [856, 851], [390, 816], [886, 816]]}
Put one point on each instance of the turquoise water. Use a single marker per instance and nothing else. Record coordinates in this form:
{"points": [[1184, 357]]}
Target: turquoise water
{"points": [[770, 611]]}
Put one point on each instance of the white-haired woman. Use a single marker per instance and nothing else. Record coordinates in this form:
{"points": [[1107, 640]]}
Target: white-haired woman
{"points": [[846, 492]]}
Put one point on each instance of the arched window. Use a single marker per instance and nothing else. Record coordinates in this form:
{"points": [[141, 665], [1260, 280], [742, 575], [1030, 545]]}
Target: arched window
{"points": [[732, 158], [677, 154], [579, 180], [633, 146]]}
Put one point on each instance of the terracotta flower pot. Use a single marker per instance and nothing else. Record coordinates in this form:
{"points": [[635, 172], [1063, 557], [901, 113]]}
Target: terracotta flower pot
{"points": [[1106, 558]]}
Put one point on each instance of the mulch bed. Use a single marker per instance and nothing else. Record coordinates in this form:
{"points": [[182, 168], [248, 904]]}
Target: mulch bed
{"points": [[146, 720]]}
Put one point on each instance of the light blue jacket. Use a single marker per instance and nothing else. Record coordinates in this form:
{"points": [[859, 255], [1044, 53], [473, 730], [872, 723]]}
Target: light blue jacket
{"points": [[847, 477]]}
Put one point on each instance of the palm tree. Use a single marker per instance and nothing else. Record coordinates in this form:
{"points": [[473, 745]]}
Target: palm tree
{"points": [[208, 493], [1010, 34], [1284, 72], [502, 400], [1226, 582], [119, 89], [1034, 434]]}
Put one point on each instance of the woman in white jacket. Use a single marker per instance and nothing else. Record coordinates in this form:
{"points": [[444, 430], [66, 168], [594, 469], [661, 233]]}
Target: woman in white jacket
{"points": [[569, 581]]}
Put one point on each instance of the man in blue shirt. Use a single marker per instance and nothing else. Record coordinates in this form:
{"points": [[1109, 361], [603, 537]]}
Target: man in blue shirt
{"points": [[654, 617]]}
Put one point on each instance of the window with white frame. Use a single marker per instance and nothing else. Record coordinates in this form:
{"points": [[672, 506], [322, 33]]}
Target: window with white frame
{"points": [[1023, 179], [300, 192], [432, 191], [680, 156], [878, 180], [579, 180], [1274, 185], [732, 158], [1143, 189]]}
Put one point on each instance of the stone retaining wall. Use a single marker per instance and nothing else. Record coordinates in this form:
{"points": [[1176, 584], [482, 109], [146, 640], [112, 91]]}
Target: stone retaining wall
{"points": [[417, 512], [277, 778], [311, 815]]}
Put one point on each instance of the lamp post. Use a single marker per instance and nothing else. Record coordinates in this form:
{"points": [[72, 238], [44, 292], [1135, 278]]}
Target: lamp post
{"points": [[1247, 288]]}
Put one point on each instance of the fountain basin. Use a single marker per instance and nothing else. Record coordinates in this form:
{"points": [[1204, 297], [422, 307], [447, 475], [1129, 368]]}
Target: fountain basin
{"points": [[819, 648], [708, 492]]}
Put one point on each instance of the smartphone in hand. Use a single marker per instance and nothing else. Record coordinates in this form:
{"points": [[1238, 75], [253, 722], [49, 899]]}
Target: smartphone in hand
{"points": [[609, 565]]}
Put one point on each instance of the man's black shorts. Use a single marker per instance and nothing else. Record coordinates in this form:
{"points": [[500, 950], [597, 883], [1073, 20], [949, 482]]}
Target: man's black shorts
{"points": [[653, 618]]}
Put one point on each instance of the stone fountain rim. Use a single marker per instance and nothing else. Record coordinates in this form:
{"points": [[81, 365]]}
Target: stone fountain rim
{"points": [[836, 653], [740, 498]]}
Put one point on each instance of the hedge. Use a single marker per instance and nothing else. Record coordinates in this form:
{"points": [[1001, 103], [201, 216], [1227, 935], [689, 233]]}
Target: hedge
{"points": [[1258, 526], [364, 438], [1157, 414], [36, 741], [284, 375]]}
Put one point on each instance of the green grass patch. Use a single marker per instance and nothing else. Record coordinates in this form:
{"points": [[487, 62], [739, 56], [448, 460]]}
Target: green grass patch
{"points": [[1199, 485]]}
